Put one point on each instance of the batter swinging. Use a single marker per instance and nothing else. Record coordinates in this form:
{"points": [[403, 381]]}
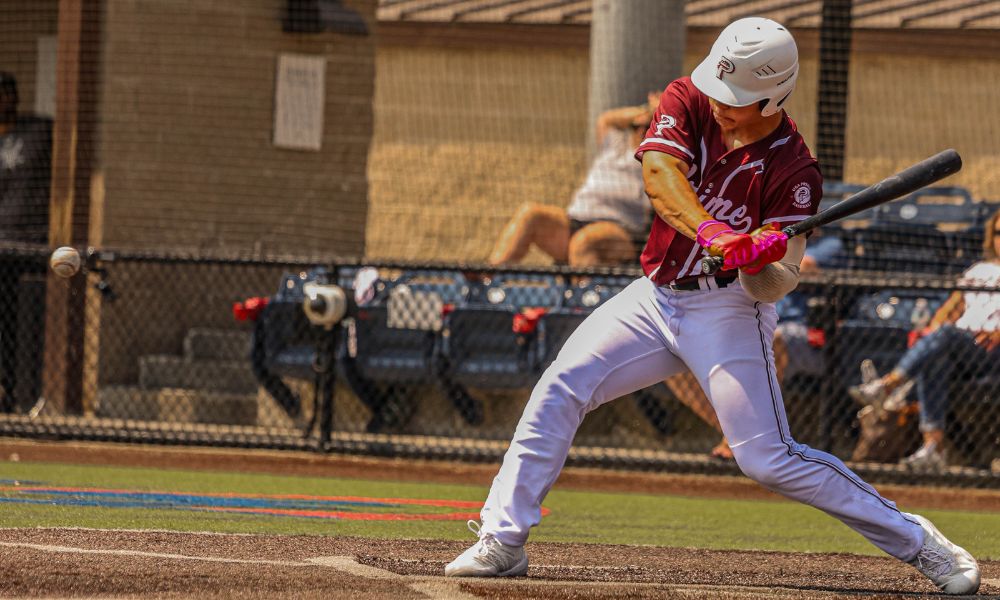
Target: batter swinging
{"points": [[725, 169]]}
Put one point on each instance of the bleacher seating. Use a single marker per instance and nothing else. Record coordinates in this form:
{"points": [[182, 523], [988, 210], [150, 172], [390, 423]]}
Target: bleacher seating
{"points": [[878, 327], [394, 334], [490, 341], [933, 230], [579, 299], [846, 230]]}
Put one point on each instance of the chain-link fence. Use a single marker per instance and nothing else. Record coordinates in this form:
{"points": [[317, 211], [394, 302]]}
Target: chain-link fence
{"points": [[438, 361], [479, 157]]}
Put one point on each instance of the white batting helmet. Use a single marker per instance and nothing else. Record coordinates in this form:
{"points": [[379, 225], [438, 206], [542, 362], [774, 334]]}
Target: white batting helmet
{"points": [[754, 59]]}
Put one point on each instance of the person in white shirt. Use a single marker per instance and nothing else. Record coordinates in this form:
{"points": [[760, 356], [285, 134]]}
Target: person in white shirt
{"points": [[608, 219], [961, 339]]}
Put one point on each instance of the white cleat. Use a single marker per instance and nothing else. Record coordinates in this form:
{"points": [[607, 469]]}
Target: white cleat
{"points": [[488, 558], [950, 567]]}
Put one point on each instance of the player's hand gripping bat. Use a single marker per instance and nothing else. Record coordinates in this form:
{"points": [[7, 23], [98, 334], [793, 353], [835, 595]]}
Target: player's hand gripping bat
{"points": [[906, 181]]}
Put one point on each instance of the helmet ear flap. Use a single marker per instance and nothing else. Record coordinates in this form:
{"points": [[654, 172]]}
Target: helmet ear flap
{"points": [[782, 101], [768, 106]]}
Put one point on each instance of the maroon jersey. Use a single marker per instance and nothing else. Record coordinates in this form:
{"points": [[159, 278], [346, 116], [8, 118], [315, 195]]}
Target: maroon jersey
{"points": [[773, 180]]}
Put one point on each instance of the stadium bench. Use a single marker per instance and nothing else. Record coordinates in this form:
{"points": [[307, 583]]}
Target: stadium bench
{"points": [[490, 342]]}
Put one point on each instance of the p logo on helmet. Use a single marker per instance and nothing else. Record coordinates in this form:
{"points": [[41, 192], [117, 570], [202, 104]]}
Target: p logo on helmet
{"points": [[725, 66]]}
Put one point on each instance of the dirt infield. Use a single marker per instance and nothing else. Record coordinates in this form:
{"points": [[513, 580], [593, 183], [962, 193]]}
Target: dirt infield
{"points": [[95, 563]]}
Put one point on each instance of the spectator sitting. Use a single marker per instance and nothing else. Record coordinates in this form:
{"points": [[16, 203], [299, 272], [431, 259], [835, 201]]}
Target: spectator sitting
{"points": [[608, 220], [963, 335], [793, 354]]}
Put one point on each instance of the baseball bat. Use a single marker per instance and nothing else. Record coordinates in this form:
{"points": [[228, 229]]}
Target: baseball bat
{"points": [[905, 182]]}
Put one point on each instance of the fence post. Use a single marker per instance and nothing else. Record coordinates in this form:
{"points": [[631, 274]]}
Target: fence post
{"points": [[79, 36]]}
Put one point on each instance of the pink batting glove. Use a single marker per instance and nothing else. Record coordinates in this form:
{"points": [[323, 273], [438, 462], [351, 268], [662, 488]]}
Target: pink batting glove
{"points": [[769, 245], [736, 249], [709, 230]]}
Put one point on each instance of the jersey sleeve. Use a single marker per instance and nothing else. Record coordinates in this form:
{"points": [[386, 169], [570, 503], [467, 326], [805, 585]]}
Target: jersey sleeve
{"points": [[673, 128], [794, 198]]}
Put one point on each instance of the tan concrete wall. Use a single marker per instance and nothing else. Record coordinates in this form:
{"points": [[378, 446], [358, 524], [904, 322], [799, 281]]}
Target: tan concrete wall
{"points": [[906, 107], [463, 136], [186, 162], [186, 153]]}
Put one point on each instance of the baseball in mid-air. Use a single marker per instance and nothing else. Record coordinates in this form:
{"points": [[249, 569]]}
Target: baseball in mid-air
{"points": [[65, 261]]}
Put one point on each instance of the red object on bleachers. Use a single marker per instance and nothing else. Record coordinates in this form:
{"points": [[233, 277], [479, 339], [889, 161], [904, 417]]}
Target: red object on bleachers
{"points": [[249, 309], [526, 321]]}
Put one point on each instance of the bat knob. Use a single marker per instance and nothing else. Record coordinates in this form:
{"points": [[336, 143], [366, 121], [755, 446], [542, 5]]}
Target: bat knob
{"points": [[711, 264]]}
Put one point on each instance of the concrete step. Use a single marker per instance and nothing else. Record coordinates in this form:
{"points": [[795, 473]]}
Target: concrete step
{"points": [[176, 405], [127, 402], [167, 371], [216, 344]]}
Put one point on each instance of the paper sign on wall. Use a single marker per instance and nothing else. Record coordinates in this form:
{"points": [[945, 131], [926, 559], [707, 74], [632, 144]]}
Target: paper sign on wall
{"points": [[300, 94], [45, 77]]}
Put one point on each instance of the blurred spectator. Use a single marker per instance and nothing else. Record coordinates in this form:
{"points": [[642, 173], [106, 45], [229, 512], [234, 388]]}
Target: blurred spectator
{"points": [[608, 220], [25, 159], [960, 342], [793, 353]]}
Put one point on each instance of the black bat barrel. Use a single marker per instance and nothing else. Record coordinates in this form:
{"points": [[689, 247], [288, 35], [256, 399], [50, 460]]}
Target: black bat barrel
{"points": [[908, 180]]}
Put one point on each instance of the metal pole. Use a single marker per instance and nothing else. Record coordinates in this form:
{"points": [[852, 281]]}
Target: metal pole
{"points": [[636, 46]]}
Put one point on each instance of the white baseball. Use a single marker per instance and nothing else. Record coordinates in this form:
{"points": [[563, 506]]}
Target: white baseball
{"points": [[65, 261]]}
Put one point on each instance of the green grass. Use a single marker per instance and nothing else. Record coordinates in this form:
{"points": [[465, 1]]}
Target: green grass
{"points": [[576, 516]]}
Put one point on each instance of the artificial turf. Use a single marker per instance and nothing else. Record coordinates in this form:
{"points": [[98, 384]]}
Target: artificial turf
{"points": [[575, 516]]}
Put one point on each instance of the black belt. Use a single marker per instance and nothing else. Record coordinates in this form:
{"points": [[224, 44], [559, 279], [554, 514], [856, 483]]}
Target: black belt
{"points": [[687, 284]]}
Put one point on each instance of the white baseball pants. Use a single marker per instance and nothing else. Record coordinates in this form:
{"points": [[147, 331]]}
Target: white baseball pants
{"points": [[646, 334]]}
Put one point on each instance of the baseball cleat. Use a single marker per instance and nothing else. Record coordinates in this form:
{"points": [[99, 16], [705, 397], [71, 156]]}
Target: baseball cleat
{"points": [[488, 558], [950, 567]]}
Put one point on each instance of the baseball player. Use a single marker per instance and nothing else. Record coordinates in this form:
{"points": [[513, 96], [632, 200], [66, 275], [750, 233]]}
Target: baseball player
{"points": [[725, 169]]}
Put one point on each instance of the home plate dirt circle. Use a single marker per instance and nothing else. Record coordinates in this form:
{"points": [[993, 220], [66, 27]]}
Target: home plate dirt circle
{"points": [[100, 563]]}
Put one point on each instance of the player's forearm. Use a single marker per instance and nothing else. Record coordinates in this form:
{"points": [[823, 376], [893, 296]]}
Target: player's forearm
{"points": [[776, 280], [670, 193]]}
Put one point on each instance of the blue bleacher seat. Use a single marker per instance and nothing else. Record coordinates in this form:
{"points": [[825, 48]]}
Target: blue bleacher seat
{"points": [[400, 347], [892, 246], [479, 346], [968, 243], [835, 191], [917, 233], [556, 325], [878, 327], [930, 206]]}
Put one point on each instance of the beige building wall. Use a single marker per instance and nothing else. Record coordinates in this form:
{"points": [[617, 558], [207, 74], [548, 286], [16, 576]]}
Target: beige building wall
{"points": [[22, 22], [186, 155], [906, 107], [463, 137], [186, 163]]}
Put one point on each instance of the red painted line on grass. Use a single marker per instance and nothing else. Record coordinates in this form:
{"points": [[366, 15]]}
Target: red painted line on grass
{"points": [[349, 516]]}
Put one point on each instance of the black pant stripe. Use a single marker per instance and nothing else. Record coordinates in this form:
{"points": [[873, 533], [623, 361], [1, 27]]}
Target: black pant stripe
{"points": [[787, 441]]}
